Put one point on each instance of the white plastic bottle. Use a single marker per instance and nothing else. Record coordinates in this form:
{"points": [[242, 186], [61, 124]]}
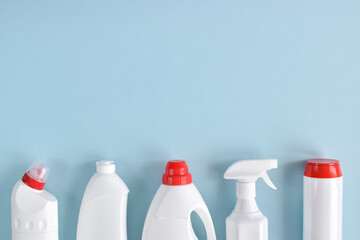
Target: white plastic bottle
{"points": [[246, 222], [168, 217], [34, 211], [323, 193], [104, 206]]}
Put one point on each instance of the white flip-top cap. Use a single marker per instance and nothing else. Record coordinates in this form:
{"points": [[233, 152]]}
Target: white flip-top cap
{"points": [[105, 166], [38, 171], [35, 176]]}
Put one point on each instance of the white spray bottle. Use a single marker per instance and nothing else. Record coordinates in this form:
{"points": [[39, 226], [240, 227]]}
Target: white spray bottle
{"points": [[104, 206], [34, 211], [169, 216], [246, 222]]}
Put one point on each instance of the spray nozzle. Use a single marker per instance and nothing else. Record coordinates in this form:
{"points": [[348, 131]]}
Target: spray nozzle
{"points": [[249, 171]]}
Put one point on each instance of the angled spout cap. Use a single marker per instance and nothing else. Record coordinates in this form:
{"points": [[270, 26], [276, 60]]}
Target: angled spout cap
{"points": [[248, 171]]}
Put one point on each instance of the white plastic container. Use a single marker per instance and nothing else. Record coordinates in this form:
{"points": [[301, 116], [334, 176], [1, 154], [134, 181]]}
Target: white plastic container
{"points": [[168, 217], [34, 211], [323, 193], [104, 206], [246, 222]]}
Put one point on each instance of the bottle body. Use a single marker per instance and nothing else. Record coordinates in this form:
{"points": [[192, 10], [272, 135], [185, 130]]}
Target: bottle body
{"points": [[323, 208], [103, 209], [34, 214], [246, 222], [169, 215]]}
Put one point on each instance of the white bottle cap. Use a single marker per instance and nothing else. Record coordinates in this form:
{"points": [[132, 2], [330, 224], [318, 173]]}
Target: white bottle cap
{"points": [[35, 177], [106, 167], [38, 172]]}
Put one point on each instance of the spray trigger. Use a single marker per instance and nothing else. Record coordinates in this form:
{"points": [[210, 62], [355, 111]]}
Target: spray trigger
{"points": [[267, 180]]}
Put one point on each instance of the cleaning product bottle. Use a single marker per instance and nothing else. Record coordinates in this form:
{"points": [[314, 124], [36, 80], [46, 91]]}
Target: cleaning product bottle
{"points": [[34, 211], [168, 217], [246, 222], [323, 195], [104, 206]]}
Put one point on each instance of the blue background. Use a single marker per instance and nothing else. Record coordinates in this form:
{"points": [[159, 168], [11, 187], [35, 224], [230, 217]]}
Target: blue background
{"points": [[211, 82]]}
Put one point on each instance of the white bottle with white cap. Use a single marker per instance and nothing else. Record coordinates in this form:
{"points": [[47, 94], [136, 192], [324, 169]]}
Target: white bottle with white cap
{"points": [[34, 211], [246, 222], [104, 206]]}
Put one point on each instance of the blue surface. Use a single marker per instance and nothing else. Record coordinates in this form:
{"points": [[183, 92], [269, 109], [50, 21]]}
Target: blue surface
{"points": [[211, 82]]}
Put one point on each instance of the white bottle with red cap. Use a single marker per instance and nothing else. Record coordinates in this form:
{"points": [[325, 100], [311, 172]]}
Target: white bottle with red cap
{"points": [[104, 206], [323, 193], [34, 211], [168, 217]]}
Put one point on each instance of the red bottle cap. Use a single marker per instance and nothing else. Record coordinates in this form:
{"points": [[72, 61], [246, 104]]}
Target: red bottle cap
{"points": [[176, 173], [323, 168], [32, 182]]}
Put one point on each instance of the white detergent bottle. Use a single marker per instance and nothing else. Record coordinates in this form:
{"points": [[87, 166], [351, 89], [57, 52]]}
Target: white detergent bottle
{"points": [[168, 217], [34, 211], [246, 222], [104, 206]]}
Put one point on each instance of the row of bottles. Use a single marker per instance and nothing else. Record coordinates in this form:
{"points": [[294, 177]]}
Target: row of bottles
{"points": [[104, 206]]}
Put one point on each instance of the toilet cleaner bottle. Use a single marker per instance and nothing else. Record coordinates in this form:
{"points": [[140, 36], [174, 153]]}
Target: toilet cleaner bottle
{"points": [[246, 222], [34, 211], [103, 208], [168, 217]]}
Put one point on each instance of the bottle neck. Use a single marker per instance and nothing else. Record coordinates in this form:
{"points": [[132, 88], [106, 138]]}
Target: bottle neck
{"points": [[245, 190], [246, 193]]}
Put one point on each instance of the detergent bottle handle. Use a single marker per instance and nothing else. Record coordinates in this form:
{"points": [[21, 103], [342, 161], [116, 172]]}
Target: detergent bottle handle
{"points": [[205, 217]]}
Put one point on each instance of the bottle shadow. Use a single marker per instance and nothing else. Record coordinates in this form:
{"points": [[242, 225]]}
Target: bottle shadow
{"points": [[293, 199], [143, 183], [68, 185]]}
